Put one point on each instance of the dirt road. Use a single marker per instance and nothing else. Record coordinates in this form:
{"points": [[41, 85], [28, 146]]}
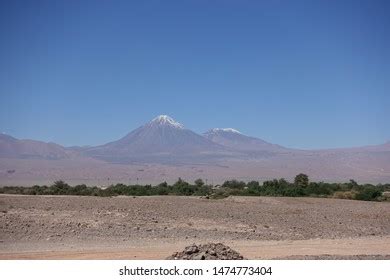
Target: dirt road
{"points": [[344, 248]]}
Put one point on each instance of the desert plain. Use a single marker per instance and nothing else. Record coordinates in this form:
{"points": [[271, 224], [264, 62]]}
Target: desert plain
{"points": [[75, 227]]}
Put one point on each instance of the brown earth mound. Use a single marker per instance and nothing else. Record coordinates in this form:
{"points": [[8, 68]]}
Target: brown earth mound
{"points": [[210, 251]]}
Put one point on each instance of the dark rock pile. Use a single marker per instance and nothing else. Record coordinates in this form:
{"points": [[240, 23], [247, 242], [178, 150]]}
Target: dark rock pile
{"points": [[210, 251]]}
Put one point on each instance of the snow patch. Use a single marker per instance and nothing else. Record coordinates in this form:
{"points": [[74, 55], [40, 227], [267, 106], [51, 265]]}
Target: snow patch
{"points": [[166, 120], [232, 130]]}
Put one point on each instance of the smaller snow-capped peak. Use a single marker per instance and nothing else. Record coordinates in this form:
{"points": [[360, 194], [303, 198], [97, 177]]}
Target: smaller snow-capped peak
{"points": [[166, 120], [232, 130]]}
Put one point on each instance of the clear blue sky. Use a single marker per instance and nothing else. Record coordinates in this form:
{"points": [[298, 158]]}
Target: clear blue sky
{"points": [[307, 74]]}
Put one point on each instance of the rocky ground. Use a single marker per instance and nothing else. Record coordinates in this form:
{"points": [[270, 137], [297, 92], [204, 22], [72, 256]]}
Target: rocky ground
{"points": [[66, 223], [338, 257], [209, 251]]}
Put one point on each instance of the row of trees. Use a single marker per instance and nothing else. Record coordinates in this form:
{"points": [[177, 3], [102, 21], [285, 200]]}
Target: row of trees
{"points": [[300, 187]]}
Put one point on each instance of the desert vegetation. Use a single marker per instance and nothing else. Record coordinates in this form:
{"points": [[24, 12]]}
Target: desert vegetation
{"points": [[301, 187]]}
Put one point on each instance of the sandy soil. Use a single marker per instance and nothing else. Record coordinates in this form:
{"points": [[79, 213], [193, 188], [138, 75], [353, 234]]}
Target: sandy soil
{"points": [[324, 167], [64, 227]]}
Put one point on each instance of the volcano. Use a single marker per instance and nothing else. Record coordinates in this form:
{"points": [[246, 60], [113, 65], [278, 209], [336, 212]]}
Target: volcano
{"points": [[232, 138], [160, 139]]}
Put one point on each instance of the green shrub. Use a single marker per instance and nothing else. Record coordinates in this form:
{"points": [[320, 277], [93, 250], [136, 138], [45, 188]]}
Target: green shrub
{"points": [[369, 194], [234, 184], [281, 187]]}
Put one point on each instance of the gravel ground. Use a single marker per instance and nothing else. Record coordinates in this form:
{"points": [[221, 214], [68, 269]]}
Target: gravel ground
{"points": [[338, 257], [45, 222]]}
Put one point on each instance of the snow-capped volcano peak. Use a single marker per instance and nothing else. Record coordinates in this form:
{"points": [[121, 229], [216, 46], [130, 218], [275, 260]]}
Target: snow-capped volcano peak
{"points": [[232, 130], [166, 120]]}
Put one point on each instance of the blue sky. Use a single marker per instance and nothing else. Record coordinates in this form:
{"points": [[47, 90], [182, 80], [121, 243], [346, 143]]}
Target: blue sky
{"points": [[305, 74]]}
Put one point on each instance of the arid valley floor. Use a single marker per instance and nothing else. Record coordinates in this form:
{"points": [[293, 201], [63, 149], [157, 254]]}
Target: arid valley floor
{"points": [[71, 227]]}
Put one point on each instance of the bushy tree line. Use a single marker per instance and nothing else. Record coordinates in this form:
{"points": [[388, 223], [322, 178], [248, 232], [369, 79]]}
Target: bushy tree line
{"points": [[181, 187], [300, 187]]}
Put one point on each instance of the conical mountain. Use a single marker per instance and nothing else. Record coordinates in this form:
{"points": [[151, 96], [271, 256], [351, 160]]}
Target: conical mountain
{"points": [[234, 139], [161, 137]]}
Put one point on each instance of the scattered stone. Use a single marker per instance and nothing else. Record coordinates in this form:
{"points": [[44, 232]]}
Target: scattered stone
{"points": [[200, 256], [210, 251], [191, 250]]}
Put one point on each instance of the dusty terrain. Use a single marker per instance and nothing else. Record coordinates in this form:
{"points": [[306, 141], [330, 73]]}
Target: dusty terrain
{"points": [[70, 227], [323, 166]]}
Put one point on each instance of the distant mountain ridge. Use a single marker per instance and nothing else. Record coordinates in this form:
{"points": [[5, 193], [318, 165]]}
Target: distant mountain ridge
{"points": [[11, 147], [161, 138], [165, 140], [234, 139], [163, 149]]}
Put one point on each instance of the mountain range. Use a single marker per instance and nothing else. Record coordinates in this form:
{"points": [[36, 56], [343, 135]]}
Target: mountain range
{"points": [[11, 147], [167, 143], [160, 140]]}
